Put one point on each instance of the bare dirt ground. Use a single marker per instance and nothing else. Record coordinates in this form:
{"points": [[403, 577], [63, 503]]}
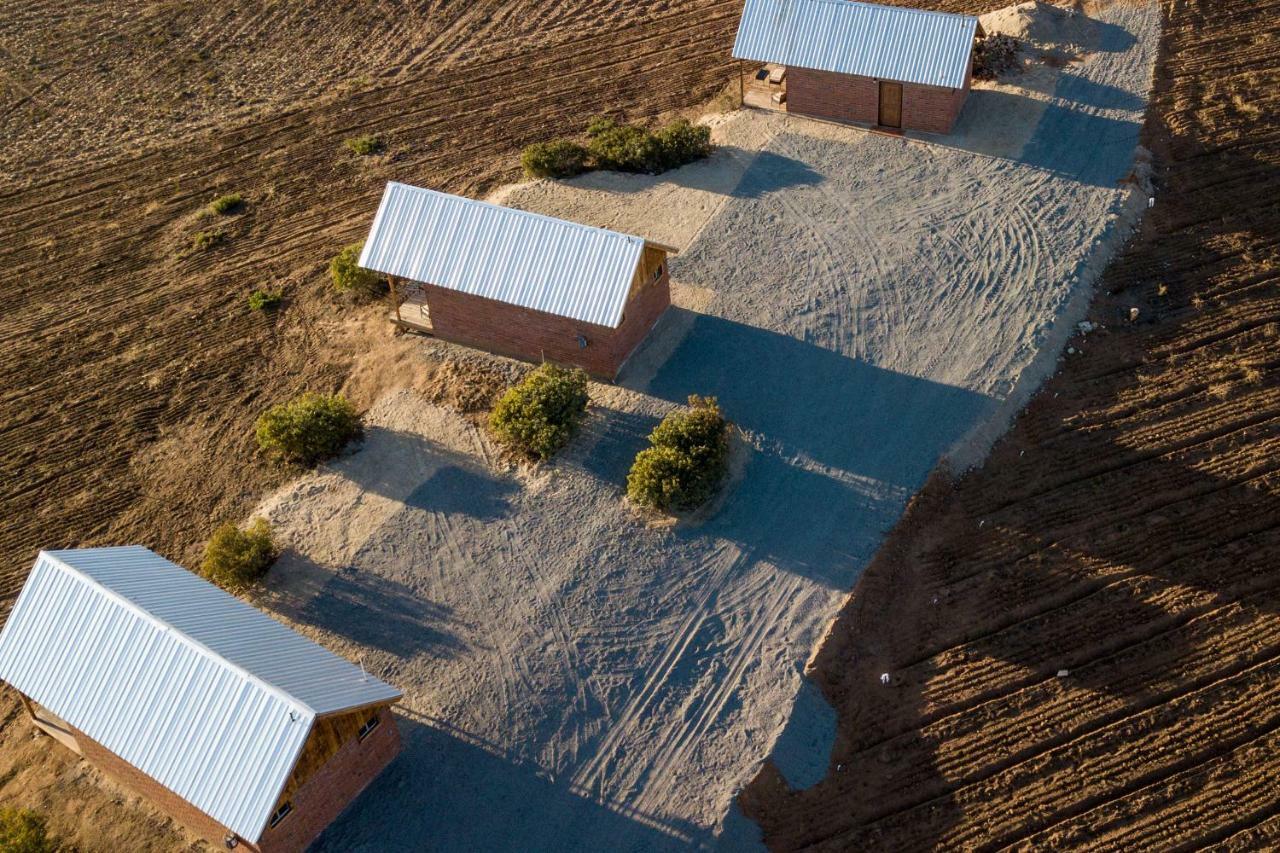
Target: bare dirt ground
{"points": [[859, 304], [1123, 533]]}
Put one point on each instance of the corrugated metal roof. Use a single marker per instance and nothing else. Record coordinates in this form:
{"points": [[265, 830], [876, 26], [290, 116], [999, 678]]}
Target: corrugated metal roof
{"points": [[512, 256], [208, 696], [846, 37]]}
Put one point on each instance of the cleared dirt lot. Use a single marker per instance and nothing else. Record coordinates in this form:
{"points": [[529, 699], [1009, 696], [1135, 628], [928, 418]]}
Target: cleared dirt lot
{"points": [[862, 303], [1124, 532]]}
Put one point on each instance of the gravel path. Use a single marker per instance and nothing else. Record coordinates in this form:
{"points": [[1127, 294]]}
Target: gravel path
{"points": [[861, 305]]}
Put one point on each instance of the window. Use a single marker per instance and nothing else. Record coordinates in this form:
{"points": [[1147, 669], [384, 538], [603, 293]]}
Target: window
{"points": [[368, 727], [281, 813], [657, 274]]}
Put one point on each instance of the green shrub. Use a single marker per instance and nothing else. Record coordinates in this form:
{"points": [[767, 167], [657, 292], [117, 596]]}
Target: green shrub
{"points": [[307, 429], [558, 159], [625, 148], [599, 125], [628, 148], [682, 142], [225, 204], [687, 460], [540, 415], [23, 831], [205, 240], [235, 559], [364, 145], [265, 300], [351, 278]]}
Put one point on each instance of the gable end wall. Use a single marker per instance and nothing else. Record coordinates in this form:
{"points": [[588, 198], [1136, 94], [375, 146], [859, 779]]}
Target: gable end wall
{"points": [[843, 97]]}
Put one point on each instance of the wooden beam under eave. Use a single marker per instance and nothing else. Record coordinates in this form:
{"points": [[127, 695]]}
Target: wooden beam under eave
{"points": [[395, 297]]}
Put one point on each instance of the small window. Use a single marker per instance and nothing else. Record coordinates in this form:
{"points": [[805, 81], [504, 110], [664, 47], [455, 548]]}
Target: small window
{"points": [[368, 727], [281, 813], [657, 274]]}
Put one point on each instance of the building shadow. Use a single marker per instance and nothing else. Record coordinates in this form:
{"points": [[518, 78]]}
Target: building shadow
{"points": [[372, 610], [448, 791], [460, 487], [1068, 140], [816, 405], [725, 172], [770, 172], [426, 475], [1082, 146], [1089, 93], [837, 445], [1112, 38]]}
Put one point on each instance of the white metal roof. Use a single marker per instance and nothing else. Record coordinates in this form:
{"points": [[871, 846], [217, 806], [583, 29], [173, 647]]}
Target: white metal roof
{"points": [[513, 256], [865, 39], [208, 696]]}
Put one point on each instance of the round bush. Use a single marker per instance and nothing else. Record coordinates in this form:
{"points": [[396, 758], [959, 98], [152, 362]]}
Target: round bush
{"points": [[307, 429], [626, 148], [558, 159], [226, 204], [681, 142], [23, 831], [688, 459], [540, 415], [265, 300], [236, 559], [349, 277]]}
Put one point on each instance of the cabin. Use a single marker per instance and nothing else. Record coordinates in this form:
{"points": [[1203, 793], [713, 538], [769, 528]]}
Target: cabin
{"points": [[889, 67], [238, 727], [515, 283]]}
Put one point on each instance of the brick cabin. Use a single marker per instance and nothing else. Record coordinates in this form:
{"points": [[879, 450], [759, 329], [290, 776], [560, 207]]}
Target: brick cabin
{"points": [[237, 727], [885, 66], [515, 283]]}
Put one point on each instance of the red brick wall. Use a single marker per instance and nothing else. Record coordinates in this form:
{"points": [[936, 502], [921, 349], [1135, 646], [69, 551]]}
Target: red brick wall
{"points": [[315, 805], [536, 335], [333, 787], [842, 97], [834, 96], [135, 780]]}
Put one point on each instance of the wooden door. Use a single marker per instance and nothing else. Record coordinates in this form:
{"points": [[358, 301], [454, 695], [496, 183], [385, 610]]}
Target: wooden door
{"points": [[891, 104]]}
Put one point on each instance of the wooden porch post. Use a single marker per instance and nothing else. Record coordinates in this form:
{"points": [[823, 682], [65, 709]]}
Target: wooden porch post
{"points": [[395, 296]]}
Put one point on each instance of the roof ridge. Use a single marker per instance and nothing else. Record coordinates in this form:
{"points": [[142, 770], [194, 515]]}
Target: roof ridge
{"points": [[889, 7], [181, 635], [519, 212]]}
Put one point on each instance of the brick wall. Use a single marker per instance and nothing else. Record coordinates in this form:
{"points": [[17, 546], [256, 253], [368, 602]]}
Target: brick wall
{"points": [[140, 783], [842, 97], [333, 787], [315, 804], [536, 335]]}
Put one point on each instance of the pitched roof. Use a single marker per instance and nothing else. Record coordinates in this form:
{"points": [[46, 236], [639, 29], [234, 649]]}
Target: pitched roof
{"points": [[513, 256], [208, 696], [864, 39]]}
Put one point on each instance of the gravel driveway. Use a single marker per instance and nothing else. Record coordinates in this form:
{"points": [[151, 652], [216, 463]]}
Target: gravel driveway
{"points": [[861, 305]]}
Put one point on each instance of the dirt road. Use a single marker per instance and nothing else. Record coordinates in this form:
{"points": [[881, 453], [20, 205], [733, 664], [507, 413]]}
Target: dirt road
{"points": [[1123, 534]]}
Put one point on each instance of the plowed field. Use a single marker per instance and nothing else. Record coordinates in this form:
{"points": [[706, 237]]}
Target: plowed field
{"points": [[130, 367], [1083, 636]]}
